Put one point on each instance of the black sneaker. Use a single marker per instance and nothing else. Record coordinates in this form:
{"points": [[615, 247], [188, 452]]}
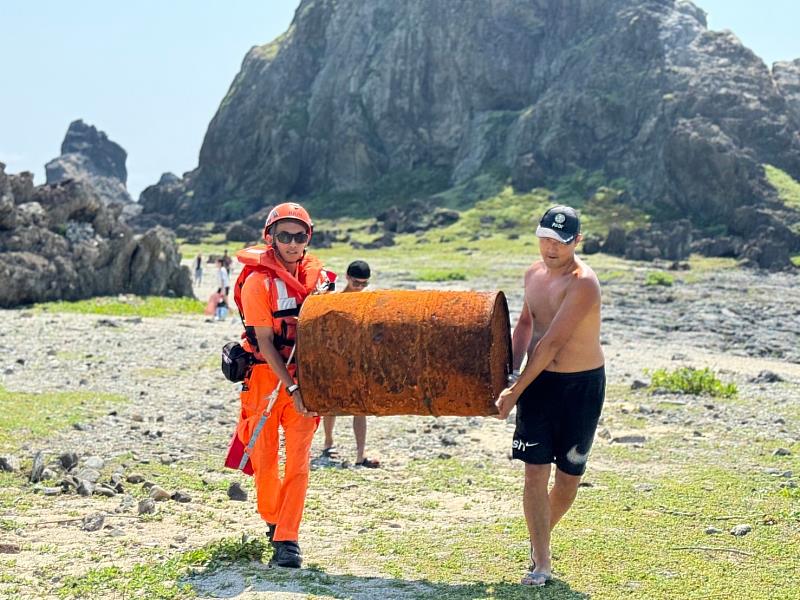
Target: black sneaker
{"points": [[287, 554]]}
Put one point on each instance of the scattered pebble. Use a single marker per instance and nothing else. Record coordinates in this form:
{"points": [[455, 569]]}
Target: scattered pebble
{"points": [[9, 463], [93, 522], [68, 460], [90, 475], [104, 490], [766, 377], [37, 467], [159, 494], [741, 530], [180, 496], [146, 506], [629, 439], [94, 462], [236, 493], [85, 487]]}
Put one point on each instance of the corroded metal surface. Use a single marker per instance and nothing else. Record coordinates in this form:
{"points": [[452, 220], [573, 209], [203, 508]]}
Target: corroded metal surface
{"points": [[404, 352]]}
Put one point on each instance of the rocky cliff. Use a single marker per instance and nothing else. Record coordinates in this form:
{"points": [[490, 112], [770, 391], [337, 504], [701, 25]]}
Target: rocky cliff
{"points": [[530, 90], [63, 242]]}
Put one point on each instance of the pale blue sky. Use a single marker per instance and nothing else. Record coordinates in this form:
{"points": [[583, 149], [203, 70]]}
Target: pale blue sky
{"points": [[152, 73]]}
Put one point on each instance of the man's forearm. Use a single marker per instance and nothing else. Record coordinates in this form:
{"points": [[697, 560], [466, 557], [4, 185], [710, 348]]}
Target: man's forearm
{"points": [[543, 354], [519, 343]]}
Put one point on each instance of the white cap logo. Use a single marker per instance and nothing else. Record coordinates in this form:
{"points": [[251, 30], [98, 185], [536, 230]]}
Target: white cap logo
{"points": [[560, 218]]}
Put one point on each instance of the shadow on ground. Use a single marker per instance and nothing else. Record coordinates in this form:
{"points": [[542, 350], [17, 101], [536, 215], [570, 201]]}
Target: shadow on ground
{"points": [[258, 578]]}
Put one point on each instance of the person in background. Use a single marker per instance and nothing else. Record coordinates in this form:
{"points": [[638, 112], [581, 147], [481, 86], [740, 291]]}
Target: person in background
{"points": [[358, 274], [198, 269], [223, 277]]}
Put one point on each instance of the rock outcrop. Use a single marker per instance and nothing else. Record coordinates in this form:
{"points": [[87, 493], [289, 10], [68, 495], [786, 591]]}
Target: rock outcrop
{"points": [[63, 242], [166, 199], [88, 155], [787, 78], [533, 89]]}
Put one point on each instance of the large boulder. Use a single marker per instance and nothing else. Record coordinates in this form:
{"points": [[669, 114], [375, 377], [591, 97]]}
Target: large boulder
{"points": [[65, 243], [88, 155]]}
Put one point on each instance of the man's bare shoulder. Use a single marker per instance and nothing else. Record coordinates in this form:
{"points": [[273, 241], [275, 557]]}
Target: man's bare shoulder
{"points": [[586, 280], [584, 271], [536, 268]]}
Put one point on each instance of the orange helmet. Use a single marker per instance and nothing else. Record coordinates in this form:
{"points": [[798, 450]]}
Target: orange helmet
{"points": [[285, 211]]}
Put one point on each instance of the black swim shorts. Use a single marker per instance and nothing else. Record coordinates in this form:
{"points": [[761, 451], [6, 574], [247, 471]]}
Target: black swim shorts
{"points": [[557, 416]]}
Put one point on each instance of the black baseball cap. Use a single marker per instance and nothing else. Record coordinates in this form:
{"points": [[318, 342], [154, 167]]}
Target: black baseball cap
{"points": [[358, 269], [560, 223]]}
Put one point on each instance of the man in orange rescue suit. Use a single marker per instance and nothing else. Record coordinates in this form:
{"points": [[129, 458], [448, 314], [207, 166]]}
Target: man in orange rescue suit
{"points": [[280, 277]]}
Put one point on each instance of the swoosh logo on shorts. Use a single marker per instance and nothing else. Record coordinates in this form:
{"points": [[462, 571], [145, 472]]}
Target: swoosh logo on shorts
{"points": [[575, 457]]}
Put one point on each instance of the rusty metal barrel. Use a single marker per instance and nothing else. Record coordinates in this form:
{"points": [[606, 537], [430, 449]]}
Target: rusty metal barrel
{"points": [[398, 352]]}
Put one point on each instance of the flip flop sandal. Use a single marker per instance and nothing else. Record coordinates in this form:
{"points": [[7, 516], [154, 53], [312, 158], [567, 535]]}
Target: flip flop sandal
{"points": [[369, 464], [330, 453], [536, 579]]}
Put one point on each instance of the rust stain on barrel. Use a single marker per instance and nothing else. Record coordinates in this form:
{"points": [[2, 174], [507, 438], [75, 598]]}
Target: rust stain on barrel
{"points": [[397, 352]]}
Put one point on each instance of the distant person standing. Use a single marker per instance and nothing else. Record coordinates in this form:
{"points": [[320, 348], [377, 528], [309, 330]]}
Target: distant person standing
{"points": [[198, 269], [223, 277], [358, 274], [560, 392], [226, 261]]}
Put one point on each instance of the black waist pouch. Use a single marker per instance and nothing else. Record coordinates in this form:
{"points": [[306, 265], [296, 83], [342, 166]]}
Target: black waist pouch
{"points": [[236, 361]]}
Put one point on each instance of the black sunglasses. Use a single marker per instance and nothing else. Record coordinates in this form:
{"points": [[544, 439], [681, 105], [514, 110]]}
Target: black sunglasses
{"points": [[284, 237]]}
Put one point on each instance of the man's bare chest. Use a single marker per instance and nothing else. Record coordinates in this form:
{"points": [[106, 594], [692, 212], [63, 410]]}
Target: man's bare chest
{"points": [[544, 297]]}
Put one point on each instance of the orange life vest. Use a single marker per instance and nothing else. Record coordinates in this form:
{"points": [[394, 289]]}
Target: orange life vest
{"points": [[286, 293]]}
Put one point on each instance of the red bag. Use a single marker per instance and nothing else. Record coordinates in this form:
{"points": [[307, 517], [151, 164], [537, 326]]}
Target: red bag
{"points": [[235, 454]]}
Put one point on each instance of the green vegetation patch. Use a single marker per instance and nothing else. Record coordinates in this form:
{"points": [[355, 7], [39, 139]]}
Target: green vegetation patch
{"points": [[128, 306], [441, 275], [162, 580], [388, 190], [507, 212], [787, 187], [607, 207], [655, 278], [688, 380], [26, 416]]}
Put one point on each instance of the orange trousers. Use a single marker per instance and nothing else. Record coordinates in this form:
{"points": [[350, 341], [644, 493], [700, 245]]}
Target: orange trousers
{"points": [[280, 500]]}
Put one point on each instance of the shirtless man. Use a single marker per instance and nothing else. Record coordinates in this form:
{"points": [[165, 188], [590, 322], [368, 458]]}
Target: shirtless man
{"points": [[559, 394]]}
